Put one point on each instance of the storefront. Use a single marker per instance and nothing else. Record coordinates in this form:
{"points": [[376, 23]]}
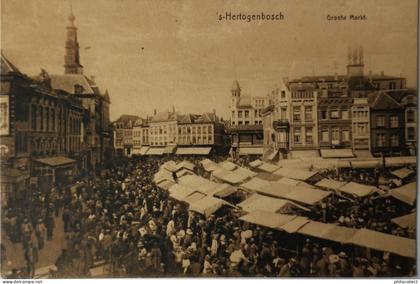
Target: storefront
{"points": [[54, 171]]}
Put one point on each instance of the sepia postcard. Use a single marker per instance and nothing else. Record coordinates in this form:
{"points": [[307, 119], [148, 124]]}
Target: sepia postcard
{"points": [[218, 139]]}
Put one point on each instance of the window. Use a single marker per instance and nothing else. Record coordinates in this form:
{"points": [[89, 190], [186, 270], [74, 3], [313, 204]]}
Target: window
{"points": [[394, 121], [296, 135], [334, 114], [335, 134], [410, 115], [380, 140], [240, 114], [411, 133], [308, 136], [247, 114], [344, 114], [361, 128], [296, 113], [324, 114], [395, 140], [233, 113], [33, 117], [345, 135], [392, 85], [283, 94], [325, 135], [283, 113], [308, 113], [380, 121]]}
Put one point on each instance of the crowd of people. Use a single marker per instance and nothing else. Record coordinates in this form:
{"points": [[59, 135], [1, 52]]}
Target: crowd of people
{"points": [[124, 223]]}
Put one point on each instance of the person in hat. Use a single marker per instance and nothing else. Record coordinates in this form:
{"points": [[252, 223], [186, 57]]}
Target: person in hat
{"points": [[40, 232], [343, 266]]}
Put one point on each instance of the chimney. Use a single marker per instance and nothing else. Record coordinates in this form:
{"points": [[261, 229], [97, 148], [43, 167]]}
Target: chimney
{"points": [[335, 76], [173, 109], [154, 112]]}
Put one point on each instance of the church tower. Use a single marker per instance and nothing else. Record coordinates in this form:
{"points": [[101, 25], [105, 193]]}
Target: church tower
{"points": [[71, 59], [355, 65], [236, 93]]}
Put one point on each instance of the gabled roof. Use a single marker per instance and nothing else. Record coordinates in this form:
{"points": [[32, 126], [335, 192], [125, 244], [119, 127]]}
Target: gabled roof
{"points": [[106, 97], [165, 116], [399, 94], [126, 119], [68, 81], [382, 101], [6, 66], [245, 101]]}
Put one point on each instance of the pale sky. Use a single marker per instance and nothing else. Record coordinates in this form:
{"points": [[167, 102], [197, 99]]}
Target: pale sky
{"points": [[190, 58]]}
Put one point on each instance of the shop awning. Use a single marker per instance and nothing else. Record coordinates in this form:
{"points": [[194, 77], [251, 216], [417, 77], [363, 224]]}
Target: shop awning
{"points": [[296, 154], [329, 232], [10, 175], [209, 165], [155, 151], [194, 197], [400, 161], [330, 184], [170, 149], [244, 151], [143, 150], [402, 173], [294, 164], [406, 193], [267, 219], [366, 164], [56, 161], [337, 153], [363, 154], [245, 172], [193, 150], [385, 242], [255, 163], [136, 151], [207, 205], [297, 174], [267, 167], [406, 222], [294, 225], [357, 189]]}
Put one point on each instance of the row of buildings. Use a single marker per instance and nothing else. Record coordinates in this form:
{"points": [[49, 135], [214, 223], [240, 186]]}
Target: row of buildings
{"points": [[169, 132], [52, 127], [351, 115]]}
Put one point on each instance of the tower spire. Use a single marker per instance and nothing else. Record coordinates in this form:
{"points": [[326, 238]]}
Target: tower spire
{"points": [[72, 59]]}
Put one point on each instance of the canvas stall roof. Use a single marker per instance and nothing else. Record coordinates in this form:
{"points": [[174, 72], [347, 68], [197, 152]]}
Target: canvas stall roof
{"points": [[184, 172], [406, 193], [321, 164], [155, 151], [243, 151], [357, 189], [294, 225], [407, 221], [162, 175], [221, 173], [245, 172], [185, 165], [227, 165], [255, 183], [169, 166], [56, 161], [193, 151], [267, 167], [329, 232], [209, 165], [343, 163], [235, 178], [363, 154], [193, 197], [265, 203], [207, 205], [224, 190], [288, 181], [400, 161], [337, 153], [165, 184], [143, 150], [402, 173], [267, 219], [294, 163], [268, 176], [385, 242], [255, 163], [330, 184], [366, 164], [297, 174], [180, 192]]}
